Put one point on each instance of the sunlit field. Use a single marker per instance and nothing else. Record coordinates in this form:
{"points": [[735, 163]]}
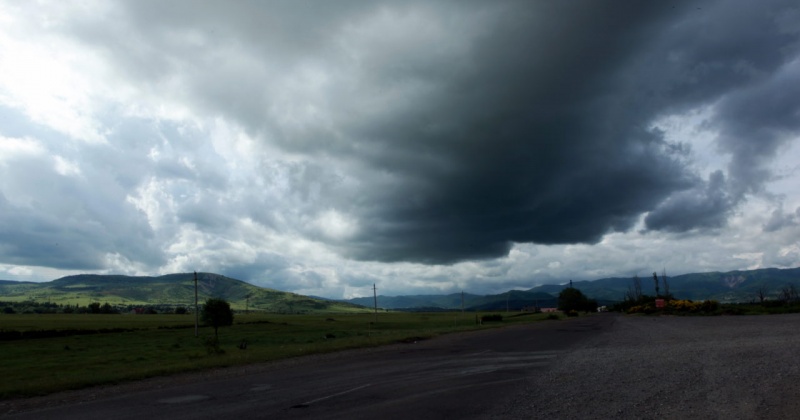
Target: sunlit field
{"points": [[102, 349]]}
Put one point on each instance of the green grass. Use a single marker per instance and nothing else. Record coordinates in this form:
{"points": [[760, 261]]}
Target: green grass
{"points": [[166, 344]]}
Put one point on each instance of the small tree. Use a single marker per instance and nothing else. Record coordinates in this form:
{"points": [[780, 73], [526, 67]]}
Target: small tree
{"points": [[217, 313], [572, 299], [655, 279], [762, 293], [634, 293]]}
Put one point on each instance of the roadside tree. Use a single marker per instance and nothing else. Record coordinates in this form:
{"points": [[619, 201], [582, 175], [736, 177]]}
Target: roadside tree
{"points": [[572, 299], [217, 313]]}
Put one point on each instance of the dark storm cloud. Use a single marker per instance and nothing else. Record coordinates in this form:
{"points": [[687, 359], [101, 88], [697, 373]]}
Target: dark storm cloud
{"points": [[469, 126], [779, 220], [745, 59], [757, 122], [705, 207], [539, 139]]}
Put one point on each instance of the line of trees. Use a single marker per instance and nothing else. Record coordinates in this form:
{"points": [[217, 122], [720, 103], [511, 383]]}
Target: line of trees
{"points": [[787, 295], [34, 307]]}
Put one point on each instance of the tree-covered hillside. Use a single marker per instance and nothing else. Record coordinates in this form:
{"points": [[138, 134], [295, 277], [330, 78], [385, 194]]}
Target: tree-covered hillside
{"points": [[165, 291]]}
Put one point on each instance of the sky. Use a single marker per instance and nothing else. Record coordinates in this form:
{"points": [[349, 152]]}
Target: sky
{"points": [[425, 147]]}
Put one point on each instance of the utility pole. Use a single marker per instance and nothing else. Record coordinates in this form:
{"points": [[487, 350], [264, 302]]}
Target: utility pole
{"points": [[196, 312], [462, 302], [375, 296], [508, 296]]}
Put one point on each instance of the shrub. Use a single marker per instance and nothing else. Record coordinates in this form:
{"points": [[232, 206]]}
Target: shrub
{"points": [[553, 317], [572, 313], [687, 306], [492, 318], [106, 308], [212, 345]]}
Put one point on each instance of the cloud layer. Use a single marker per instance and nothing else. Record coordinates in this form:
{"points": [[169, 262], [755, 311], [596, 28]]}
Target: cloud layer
{"points": [[423, 144]]}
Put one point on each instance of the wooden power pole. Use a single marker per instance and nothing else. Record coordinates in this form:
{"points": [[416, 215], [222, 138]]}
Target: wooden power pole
{"points": [[196, 312], [375, 296]]}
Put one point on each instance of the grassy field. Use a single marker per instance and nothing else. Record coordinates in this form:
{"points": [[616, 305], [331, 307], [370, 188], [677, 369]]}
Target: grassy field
{"points": [[154, 345]]}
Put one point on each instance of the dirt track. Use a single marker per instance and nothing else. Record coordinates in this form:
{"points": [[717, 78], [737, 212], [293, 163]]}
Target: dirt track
{"points": [[731, 367]]}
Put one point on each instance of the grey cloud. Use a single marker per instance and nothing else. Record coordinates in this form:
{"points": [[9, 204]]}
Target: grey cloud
{"points": [[757, 122], [61, 222], [779, 220], [481, 124], [703, 207]]}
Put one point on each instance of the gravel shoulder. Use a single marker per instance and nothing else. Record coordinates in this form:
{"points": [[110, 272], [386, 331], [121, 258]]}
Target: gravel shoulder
{"points": [[743, 367]]}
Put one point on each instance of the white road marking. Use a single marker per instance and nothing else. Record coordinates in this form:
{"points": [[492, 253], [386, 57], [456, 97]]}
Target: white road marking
{"points": [[184, 399], [334, 395]]}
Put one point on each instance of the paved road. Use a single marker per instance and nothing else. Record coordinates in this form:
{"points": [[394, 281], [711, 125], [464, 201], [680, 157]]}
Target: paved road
{"points": [[469, 375]]}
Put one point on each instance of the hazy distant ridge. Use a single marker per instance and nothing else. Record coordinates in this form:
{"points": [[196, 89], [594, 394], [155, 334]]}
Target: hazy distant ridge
{"points": [[178, 289], [731, 286]]}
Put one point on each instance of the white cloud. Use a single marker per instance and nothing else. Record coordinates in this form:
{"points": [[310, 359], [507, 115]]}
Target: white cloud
{"points": [[11, 148], [65, 167], [335, 225], [48, 77]]}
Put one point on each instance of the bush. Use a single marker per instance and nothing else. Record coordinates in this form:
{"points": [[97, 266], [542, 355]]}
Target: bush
{"points": [[212, 345], [677, 307], [492, 318], [108, 309], [553, 317], [572, 313], [687, 306]]}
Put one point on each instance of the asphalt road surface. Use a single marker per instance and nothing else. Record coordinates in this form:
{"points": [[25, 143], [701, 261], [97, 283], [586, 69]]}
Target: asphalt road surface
{"points": [[469, 375]]}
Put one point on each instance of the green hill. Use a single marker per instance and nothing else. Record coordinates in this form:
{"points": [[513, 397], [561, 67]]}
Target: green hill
{"points": [[170, 290], [174, 290]]}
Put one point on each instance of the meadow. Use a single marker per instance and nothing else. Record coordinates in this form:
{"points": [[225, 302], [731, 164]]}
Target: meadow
{"points": [[83, 350]]}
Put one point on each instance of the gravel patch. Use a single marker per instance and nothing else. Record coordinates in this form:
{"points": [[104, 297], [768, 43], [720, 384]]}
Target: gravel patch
{"points": [[724, 367]]}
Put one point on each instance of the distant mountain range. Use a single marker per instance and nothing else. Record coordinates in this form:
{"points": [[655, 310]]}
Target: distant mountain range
{"points": [[728, 287], [178, 290], [170, 290]]}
